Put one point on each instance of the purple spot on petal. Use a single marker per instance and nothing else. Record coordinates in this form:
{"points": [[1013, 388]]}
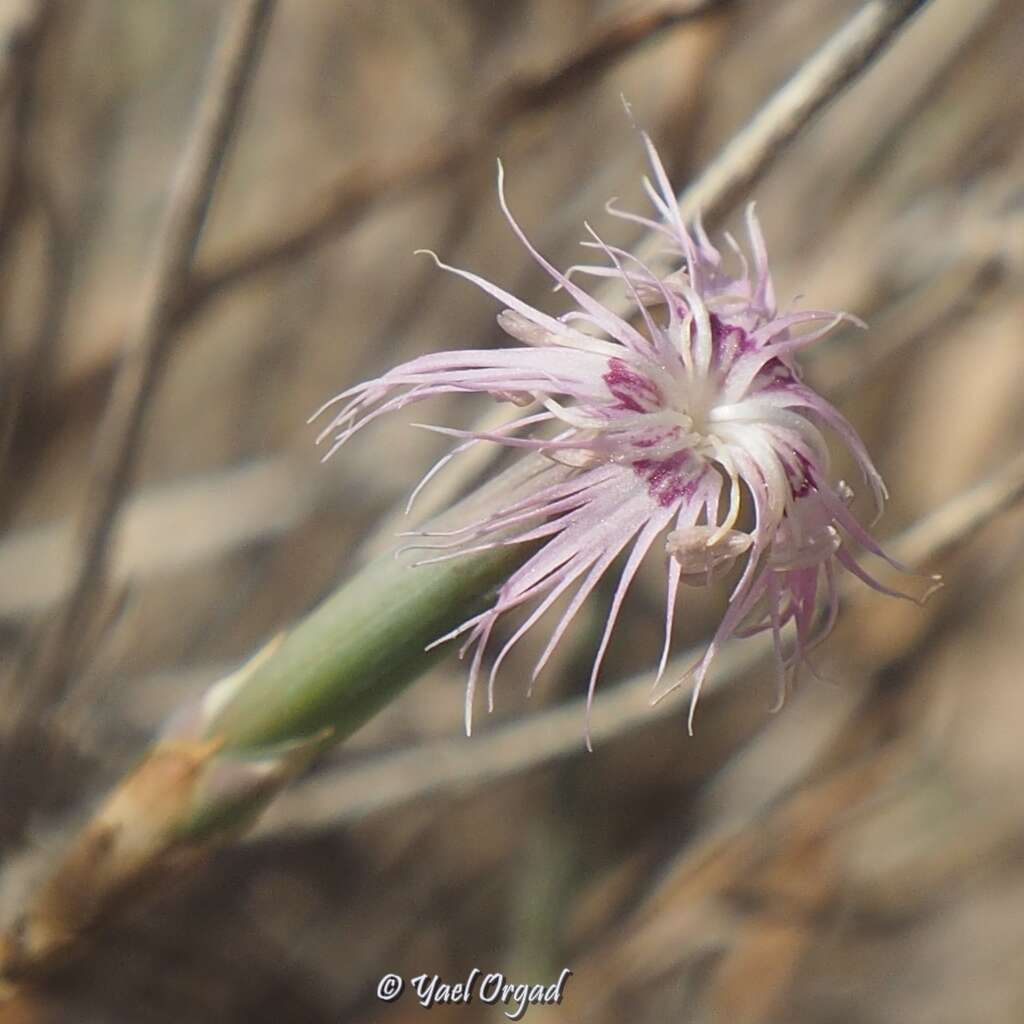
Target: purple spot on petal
{"points": [[634, 391], [801, 478], [653, 437], [728, 343], [667, 479]]}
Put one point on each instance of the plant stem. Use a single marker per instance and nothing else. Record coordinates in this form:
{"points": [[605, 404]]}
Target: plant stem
{"points": [[365, 643], [223, 758]]}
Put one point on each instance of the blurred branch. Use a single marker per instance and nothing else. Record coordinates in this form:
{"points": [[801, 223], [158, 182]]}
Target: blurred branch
{"points": [[832, 67], [454, 765], [23, 29], [45, 674], [357, 190], [20, 27], [28, 373], [751, 152], [21, 34], [931, 311], [772, 878], [197, 519]]}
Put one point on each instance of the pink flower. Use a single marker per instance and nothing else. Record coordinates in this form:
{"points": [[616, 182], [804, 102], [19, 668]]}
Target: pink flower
{"points": [[670, 426]]}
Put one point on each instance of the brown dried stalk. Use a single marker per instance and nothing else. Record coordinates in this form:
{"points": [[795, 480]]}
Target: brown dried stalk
{"points": [[45, 676]]}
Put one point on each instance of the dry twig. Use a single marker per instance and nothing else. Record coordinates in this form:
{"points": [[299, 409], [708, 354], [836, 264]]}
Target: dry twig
{"points": [[22, 34], [832, 67], [357, 191], [45, 674], [360, 188]]}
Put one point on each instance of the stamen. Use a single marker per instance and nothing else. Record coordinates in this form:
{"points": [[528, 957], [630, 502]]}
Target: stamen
{"points": [[734, 509]]}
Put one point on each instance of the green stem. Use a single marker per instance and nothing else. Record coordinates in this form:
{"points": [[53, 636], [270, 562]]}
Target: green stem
{"points": [[360, 648]]}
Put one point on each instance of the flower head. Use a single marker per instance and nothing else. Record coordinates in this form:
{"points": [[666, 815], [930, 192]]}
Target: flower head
{"points": [[669, 427]]}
